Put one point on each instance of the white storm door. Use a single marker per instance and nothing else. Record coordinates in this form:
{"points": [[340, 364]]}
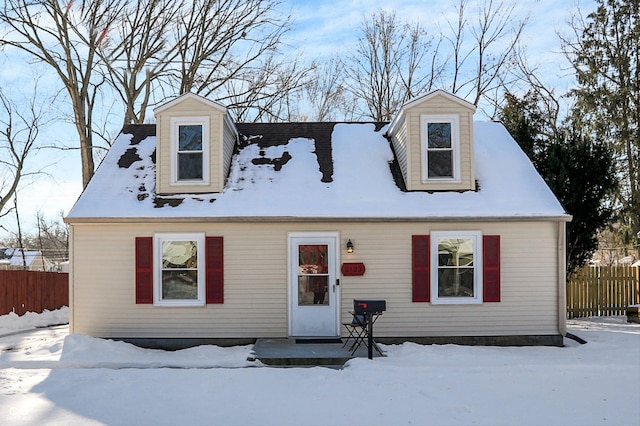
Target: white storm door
{"points": [[313, 290]]}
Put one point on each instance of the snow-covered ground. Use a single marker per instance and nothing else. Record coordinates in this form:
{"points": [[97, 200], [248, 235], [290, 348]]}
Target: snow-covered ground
{"points": [[48, 377], [13, 323]]}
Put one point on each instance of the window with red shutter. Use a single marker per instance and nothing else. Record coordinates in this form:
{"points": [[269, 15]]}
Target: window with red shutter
{"points": [[456, 267], [179, 269], [420, 266]]}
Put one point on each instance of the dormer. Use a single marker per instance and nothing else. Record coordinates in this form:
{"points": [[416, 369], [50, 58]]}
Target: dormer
{"points": [[195, 142], [433, 139]]}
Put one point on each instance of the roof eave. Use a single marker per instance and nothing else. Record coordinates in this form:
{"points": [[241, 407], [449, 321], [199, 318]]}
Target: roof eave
{"points": [[439, 92], [306, 219], [185, 96]]}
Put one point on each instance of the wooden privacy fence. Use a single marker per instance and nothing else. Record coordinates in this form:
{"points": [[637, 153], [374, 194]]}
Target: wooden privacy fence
{"points": [[602, 290], [32, 291]]}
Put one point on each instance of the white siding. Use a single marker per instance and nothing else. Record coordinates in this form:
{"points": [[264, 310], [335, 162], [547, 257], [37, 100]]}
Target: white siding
{"points": [[401, 148], [230, 137], [255, 282]]}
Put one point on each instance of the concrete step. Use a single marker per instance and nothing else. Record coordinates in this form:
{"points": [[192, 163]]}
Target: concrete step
{"points": [[288, 352]]}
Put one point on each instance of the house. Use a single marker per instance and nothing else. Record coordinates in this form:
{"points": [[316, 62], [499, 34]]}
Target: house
{"points": [[32, 260], [200, 228]]}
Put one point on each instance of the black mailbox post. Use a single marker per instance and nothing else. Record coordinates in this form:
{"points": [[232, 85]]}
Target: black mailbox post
{"points": [[369, 308]]}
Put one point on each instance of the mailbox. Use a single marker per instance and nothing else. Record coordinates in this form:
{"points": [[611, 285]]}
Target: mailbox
{"points": [[363, 307]]}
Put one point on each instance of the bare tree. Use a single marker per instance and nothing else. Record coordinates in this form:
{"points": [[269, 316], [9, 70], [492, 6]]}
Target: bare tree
{"points": [[387, 67], [395, 61], [138, 53], [326, 92], [218, 42], [66, 37], [290, 84], [267, 93], [19, 130], [226, 50], [52, 238], [482, 65], [19, 235], [148, 50], [548, 102]]}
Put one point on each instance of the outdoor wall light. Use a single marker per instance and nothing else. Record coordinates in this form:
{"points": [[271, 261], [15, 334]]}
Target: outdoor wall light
{"points": [[349, 247]]}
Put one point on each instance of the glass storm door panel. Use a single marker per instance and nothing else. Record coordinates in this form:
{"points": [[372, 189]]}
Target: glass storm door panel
{"points": [[313, 307], [313, 274]]}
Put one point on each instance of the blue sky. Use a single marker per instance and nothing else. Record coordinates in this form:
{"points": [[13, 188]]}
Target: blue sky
{"points": [[321, 29], [325, 25]]}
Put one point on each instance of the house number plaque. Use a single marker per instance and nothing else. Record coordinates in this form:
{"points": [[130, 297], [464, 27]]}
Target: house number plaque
{"points": [[352, 269]]}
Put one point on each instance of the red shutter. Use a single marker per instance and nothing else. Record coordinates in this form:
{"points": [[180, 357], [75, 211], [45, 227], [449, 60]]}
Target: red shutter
{"points": [[144, 270], [214, 270], [420, 263], [491, 268]]}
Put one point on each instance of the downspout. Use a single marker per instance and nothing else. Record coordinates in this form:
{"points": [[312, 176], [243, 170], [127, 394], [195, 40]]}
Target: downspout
{"points": [[562, 278], [71, 268]]}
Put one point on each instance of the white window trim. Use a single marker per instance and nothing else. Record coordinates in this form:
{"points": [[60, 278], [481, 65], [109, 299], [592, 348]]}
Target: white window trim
{"points": [[157, 268], [182, 121], [477, 270], [454, 119]]}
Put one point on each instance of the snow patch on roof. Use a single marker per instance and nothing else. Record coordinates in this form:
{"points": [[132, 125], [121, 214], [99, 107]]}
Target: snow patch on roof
{"points": [[285, 180]]}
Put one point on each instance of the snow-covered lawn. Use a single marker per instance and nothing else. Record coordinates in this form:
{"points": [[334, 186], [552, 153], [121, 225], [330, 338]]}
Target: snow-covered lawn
{"points": [[48, 377]]}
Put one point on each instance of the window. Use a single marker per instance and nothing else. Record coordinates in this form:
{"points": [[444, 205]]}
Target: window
{"points": [[190, 152], [151, 269], [456, 267], [179, 269], [440, 147], [190, 147], [486, 278]]}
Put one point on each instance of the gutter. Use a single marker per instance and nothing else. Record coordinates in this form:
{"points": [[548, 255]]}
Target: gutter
{"points": [[562, 278], [71, 274], [307, 219]]}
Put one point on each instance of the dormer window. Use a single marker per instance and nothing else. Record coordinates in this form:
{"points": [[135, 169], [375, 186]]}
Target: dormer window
{"points": [[440, 147], [190, 147], [190, 152]]}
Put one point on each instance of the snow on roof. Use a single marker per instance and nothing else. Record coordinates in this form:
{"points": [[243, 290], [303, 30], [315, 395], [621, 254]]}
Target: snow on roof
{"points": [[285, 180], [13, 256]]}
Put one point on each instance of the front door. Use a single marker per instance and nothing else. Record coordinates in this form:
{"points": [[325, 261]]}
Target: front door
{"points": [[313, 290]]}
